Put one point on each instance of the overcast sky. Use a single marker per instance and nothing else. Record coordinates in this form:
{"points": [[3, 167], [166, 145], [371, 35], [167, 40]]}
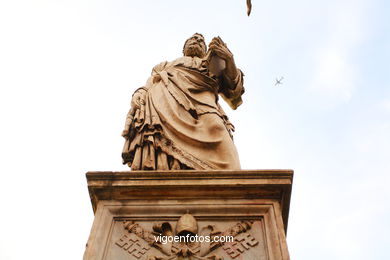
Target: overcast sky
{"points": [[68, 69]]}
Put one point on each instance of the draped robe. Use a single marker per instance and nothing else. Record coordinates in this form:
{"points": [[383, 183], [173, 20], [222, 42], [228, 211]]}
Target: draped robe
{"points": [[179, 124]]}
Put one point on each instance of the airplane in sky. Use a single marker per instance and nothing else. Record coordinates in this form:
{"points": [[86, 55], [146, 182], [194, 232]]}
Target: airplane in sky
{"points": [[279, 81]]}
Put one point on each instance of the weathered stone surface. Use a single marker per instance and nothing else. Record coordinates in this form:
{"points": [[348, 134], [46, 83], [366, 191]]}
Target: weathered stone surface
{"points": [[175, 120], [131, 206]]}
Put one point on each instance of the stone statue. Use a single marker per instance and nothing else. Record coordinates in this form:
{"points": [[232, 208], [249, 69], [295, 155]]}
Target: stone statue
{"points": [[175, 121]]}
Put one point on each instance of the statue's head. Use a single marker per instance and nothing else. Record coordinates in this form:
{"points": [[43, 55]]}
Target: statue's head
{"points": [[195, 46]]}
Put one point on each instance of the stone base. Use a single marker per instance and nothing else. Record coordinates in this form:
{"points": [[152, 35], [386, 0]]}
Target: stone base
{"points": [[131, 208]]}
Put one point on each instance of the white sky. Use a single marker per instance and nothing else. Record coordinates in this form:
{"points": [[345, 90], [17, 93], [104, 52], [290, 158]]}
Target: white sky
{"points": [[68, 69]]}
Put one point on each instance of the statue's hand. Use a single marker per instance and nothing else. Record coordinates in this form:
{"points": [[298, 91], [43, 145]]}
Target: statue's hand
{"points": [[138, 100], [125, 133], [129, 120], [218, 47]]}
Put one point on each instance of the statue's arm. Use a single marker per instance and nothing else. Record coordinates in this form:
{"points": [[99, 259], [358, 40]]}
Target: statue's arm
{"points": [[137, 100], [139, 97], [232, 79], [232, 89]]}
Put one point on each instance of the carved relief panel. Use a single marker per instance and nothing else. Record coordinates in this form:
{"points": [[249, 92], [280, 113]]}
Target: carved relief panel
{"points": [[192, 237]]}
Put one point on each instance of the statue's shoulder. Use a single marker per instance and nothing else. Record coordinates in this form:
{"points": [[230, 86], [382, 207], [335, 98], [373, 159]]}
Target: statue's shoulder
{"points": [[165, 64], [159, 67], [180, 61], [184, 61], [188, 62]]}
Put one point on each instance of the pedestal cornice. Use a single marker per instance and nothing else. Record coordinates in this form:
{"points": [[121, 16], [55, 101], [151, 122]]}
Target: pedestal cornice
{"points": [[189, 184]]}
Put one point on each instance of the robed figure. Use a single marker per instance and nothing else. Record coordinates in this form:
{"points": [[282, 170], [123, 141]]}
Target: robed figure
{"points": [[175, 121]]}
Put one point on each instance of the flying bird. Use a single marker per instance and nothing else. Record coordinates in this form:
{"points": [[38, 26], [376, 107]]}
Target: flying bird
{"points": [[279, 81], [249, 7]]}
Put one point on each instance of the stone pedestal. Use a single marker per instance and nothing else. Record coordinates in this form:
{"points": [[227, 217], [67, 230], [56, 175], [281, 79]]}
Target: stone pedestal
{"points": [[133, 208]]}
